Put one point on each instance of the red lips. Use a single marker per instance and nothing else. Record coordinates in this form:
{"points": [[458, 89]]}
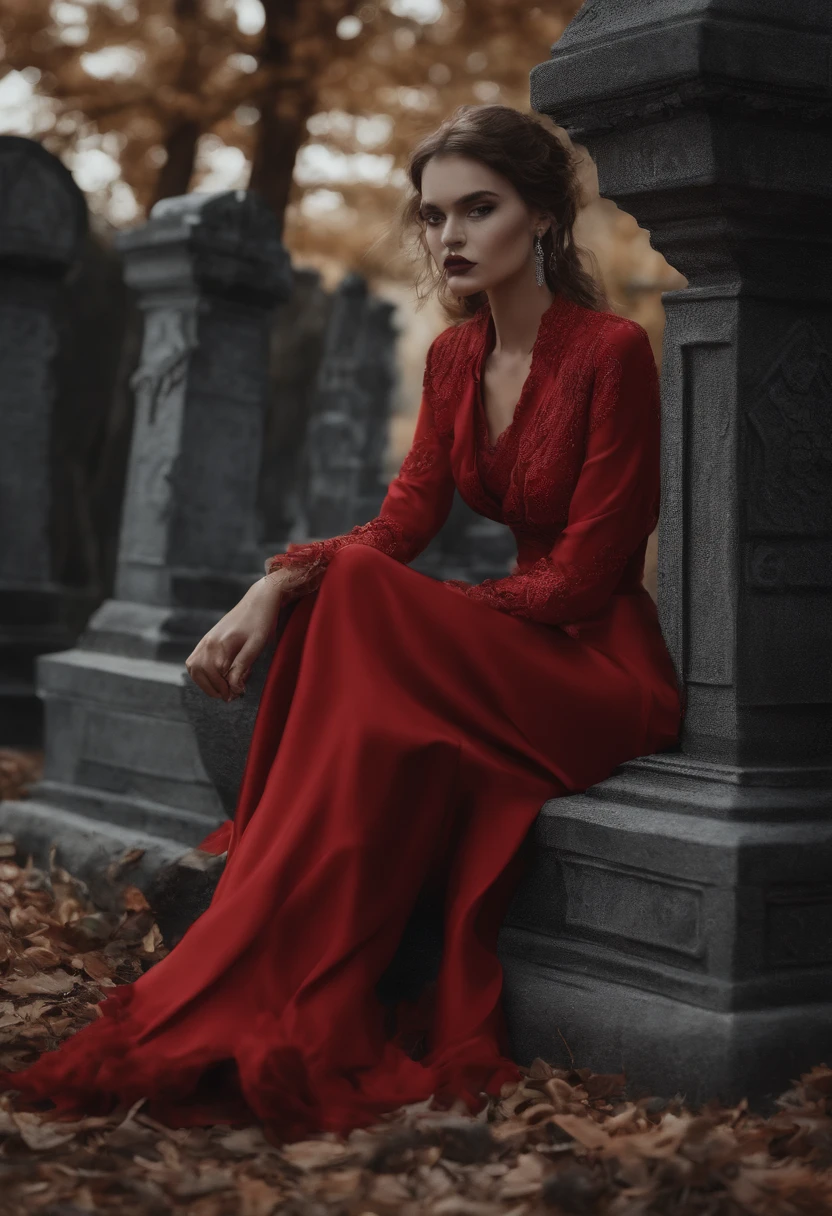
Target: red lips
{"points": [[458, 261]]}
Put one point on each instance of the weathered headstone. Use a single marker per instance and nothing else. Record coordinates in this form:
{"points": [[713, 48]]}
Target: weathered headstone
{"points": [[43, 221], [298, 332], [208, 271], [677, 920], [347, 432], [468, 546], [98, 349]]}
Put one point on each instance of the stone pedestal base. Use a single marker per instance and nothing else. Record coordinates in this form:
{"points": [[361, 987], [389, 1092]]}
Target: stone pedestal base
{"points": [[33, 621], [676, 923], [121, 749], [85, 847]]}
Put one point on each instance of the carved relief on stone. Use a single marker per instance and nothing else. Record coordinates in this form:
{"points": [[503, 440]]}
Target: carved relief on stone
{"points": [[788, 440], [170, 340], [334, 467]]}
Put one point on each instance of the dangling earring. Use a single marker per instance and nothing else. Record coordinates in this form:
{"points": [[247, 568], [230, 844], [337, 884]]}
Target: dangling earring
{"points": [[538, 261], [553, 256]]}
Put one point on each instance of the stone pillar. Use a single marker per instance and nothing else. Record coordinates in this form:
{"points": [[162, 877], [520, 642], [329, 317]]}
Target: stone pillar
{"points": [[43, 221], [208, 270], [677, 918], [347, 433], [297, 340], [468, 546]]}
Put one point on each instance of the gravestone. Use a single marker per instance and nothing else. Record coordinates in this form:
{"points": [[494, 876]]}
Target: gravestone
{"points": [[99, 351], [343, 481], [677, 918], [43, 604], [98, 348], [338, 481], [120, 751], [468, 546], [298, 332]]}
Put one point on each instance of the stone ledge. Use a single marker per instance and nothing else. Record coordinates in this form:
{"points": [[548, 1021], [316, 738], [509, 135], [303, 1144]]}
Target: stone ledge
{"points": [[84, 846], [613, 1027]]}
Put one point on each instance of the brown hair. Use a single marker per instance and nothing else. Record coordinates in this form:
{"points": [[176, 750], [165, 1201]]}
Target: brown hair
{"points": [[543, 171]]}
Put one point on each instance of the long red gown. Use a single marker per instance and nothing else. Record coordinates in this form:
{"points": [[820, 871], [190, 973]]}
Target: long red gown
{"points": [[408, 733]]}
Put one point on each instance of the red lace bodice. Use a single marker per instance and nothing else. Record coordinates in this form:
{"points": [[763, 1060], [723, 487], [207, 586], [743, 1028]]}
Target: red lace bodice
{"points": [[575, 475]]}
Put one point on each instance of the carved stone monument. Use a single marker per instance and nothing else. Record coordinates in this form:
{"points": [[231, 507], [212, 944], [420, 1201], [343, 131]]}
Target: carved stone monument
{"points": [[347, 432], [468, 546], [298, 332], [43, 222], [208, 271], [677, 918]]}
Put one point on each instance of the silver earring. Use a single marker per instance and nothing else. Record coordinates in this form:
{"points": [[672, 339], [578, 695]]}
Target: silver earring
{"points": [[538, 261]]}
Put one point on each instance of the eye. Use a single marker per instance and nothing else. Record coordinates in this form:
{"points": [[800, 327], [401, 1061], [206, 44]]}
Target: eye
{"points": [[434, 215]]}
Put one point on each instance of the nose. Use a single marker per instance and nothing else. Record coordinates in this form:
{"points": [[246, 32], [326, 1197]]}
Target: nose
{"points": [[450, 234]]}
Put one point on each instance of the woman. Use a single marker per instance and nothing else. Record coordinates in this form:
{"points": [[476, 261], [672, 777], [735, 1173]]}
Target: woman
{"points": [[410, 730]]}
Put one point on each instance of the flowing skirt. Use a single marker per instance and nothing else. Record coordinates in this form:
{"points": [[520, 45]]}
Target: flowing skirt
{"points": [[406, 737]]}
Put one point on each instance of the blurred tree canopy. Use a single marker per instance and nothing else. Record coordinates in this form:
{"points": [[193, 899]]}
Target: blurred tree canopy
{"points": [[358, 79]]}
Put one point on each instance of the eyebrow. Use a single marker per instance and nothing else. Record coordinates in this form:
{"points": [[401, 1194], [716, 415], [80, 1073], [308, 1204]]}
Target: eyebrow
{"points": [[466, 198]]}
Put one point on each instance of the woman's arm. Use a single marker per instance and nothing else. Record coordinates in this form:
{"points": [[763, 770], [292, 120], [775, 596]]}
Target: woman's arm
{"points": [[615, 504], [416, 505]]}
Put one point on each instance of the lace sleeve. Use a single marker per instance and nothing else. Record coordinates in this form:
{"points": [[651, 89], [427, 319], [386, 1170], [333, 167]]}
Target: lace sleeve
{"points": [[416, 505], [615, 504]]}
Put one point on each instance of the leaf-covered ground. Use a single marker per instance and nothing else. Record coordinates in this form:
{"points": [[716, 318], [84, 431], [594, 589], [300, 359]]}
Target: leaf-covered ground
{"points": [[562, 1142], [19, 768]]}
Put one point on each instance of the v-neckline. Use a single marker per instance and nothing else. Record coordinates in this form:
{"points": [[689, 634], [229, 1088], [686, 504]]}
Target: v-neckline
{"points": [[489, 337]]}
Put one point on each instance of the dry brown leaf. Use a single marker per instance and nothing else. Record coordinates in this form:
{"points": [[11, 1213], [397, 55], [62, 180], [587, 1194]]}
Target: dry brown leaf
{"points": [[42, 956], [339, 1184], [204, 1183], [458, 1205], [245, 1142], [603, 1085], [389, 1189], [659, 1142], [52, 982], [38, 1135], [27, 919], [256, 1197], [96, 965], [134, 900], [524, 1180], [315, 1154], [587, 1133], [625, 1119], [152, 940]]}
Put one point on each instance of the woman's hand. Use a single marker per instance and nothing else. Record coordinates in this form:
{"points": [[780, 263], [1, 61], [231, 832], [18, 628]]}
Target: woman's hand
{"points": [[221, 661]]}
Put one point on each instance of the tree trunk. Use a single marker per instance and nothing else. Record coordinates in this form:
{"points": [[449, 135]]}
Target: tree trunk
{"points": [[290, 95], [182, 136], [174, 177]]}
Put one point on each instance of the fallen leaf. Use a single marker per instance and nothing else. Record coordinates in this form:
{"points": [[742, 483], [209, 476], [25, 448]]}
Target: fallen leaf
{"points": [[52, 982], [587, 1133], [38, 1135], [314, 1154], [256, 1197], [134, 900]]}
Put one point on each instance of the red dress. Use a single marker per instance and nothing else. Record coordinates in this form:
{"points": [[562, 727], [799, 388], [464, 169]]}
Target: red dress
{"points": [[409, 732]]}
